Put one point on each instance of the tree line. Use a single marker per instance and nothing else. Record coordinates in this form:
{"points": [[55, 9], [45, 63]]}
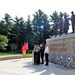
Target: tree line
{"points": [[14, 32]]}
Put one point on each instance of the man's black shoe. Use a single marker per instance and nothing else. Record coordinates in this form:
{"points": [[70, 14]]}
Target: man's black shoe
{"points": [[46, 64], [42, 63]]}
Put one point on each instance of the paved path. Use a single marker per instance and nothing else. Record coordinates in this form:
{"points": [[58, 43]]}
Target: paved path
{"points": [[24, 66]]}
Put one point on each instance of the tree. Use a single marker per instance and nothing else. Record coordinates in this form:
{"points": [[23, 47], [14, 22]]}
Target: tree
{"points": [[2, 28], [29, 33], [54, 17], [19, 32], [3, 42], [40, 26], [22, 31], [28, 26], [8, 25]]}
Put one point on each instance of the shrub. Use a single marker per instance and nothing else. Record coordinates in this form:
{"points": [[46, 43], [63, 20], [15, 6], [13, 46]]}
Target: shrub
{"points": [[3, 42]]}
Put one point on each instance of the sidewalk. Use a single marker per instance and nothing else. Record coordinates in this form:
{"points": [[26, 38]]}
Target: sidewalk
{"points": [[24, 66]]}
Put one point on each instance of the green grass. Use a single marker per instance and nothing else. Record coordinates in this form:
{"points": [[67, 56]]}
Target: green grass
{"points": [[24, 55], [27, 55], [5, 54]]}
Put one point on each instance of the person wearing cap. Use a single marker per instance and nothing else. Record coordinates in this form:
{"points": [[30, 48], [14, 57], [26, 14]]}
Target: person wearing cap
{"points": [[73, 21]]}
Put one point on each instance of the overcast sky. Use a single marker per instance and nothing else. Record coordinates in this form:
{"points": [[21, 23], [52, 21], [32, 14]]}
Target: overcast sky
{"points": [[28, 7]]}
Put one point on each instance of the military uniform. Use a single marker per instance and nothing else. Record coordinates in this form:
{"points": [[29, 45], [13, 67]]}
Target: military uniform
{"points": [[73, 22]]}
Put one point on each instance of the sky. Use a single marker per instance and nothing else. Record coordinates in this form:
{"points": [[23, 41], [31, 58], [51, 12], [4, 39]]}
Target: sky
{"points": [[23, 8]]}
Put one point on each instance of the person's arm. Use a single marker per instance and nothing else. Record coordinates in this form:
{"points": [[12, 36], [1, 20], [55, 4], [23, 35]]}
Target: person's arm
{"points": [[45, 51], [48, 50]]}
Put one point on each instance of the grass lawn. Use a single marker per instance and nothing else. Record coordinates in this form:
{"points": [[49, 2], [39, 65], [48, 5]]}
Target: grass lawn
{"points": [[5, 54], [24, 55], [27, 55]]}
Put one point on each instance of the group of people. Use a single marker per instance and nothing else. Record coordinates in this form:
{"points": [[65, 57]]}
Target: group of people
{"points": [[62, 25], [39, 52]]}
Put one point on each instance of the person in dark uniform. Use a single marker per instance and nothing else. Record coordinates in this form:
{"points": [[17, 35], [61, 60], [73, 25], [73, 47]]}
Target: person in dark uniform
{"points": [[66, 24], [55, 28], [46, 54], [73, 21], [42, 53], [61, 26], [38, 55]]}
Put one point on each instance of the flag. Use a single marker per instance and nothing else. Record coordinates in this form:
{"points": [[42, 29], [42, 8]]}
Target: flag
{"points": [[25, 48]]}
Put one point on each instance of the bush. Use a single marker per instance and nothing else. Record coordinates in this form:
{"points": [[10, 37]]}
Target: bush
{"points": [[3, 42]]}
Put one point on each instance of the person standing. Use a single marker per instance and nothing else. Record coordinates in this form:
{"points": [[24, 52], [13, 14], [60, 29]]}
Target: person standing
{"points": [[38, 55], [73, 21], [55, 28], [46, 52], [66, 24], [34, 55], [61, 26], [42, 53]]}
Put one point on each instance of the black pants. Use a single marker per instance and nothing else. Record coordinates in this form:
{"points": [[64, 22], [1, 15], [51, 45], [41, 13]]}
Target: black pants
{"points": [[46, 58], [42, 58], [37, 58], [73, 27], [34, 57]]}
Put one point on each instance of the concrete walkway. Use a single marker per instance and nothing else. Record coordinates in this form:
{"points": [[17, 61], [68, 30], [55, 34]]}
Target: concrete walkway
{"points": [[24, 66]]}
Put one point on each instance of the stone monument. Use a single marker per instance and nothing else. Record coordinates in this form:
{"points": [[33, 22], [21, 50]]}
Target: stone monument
{"points": [[62, 46]]}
